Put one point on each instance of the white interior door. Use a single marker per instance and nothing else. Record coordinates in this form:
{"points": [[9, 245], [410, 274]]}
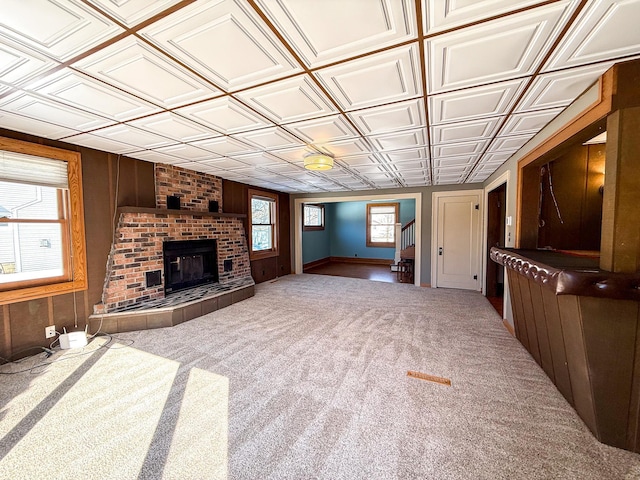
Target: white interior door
{"points": [[457, 246]]}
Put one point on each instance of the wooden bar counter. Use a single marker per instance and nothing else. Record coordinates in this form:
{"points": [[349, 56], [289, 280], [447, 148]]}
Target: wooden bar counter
{"points": [[580, 324]]}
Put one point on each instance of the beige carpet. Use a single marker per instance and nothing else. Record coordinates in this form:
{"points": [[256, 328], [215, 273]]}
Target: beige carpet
{"points": [[305, 380]]}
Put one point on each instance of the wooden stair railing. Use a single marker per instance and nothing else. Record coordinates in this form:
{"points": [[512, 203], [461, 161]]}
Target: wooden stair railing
{"points": [[408, 241], [407, 252]]}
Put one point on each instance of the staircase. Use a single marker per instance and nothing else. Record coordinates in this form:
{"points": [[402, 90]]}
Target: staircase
{"points": [[406, 245]]}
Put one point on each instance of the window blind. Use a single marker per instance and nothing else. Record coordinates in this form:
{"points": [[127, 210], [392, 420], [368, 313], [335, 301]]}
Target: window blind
{"points": [[32, 170]]}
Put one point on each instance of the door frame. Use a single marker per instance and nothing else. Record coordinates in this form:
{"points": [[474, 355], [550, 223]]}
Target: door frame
{"points": [[297, 216], [508, 240], [435, 197]]}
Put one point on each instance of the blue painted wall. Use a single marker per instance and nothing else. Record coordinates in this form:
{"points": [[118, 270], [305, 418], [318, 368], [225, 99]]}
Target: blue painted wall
{"points": [[316, 243], [348, 229], [345, 233]]}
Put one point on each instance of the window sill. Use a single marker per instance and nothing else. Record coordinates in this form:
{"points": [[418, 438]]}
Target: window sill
{"points": [[312, 229], [40, 291], [263, 254], [381, 245]]}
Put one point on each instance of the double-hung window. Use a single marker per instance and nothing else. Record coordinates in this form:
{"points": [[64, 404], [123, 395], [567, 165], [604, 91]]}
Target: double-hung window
{"points": [[41, 222], [263, 226], [381, 224], [313, 218]]}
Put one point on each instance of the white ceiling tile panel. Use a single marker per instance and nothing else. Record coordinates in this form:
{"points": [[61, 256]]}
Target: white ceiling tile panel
{"points": [[132, 12], [155, 157], [605, 29], [496, 158], [439, 15], [390, 118], [411, 167], [225, 115], [345, 148], [293, 154], [175, 127], [225, 41], [19, 123], [363, 159], [223, 146], [402, 156], [531, 122], [101, 143], [499, 50], [83, 92], [225, 163], [134, 66], [260, 159], [472, 103], [457, 149], [370, 81], [19, 63], [58, 29], [323, 130], [455, 163], [133, 136], [465, 131], [400, 140], [559, 89], [509, 144], [40, 108], [187, 153], [290, 100], [324, 32], [269, 139]]}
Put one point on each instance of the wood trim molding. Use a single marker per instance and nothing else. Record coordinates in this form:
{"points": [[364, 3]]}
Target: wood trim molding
{"points": [[273, 252], [316, 263], [369, 243], [78, 270], [365, 261], [509, 328]]}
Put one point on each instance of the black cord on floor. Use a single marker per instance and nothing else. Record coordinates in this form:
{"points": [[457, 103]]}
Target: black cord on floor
{"points": [[49, 352]]}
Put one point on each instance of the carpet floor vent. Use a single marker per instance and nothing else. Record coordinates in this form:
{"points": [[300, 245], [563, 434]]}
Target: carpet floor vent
{"points": [[429, 378]]}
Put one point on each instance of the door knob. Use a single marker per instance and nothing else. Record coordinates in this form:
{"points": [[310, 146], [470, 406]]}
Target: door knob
{"points": [[440, 251]]}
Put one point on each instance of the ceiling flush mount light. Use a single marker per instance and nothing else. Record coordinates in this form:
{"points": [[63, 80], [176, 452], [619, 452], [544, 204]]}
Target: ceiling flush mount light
{"points": [[318, 162]]}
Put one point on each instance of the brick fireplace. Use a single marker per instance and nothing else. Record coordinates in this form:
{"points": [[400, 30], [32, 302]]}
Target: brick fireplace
{"points": [[136, 266]]}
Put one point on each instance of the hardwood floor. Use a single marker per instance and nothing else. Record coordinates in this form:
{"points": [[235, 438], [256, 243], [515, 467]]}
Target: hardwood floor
{"points": [[497, 303], [378, 273]]}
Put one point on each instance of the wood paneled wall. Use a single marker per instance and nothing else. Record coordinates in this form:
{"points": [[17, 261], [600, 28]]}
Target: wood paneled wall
{"points": [[574, 191], [109, 181], [235, 199]]}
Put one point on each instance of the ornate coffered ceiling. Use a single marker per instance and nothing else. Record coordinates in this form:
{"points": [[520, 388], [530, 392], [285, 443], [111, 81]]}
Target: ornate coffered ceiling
{"points": [[403, 93]]}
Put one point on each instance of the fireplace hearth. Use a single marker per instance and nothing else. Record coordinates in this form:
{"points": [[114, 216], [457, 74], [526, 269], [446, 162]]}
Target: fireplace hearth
{"points": [[189, 263]]}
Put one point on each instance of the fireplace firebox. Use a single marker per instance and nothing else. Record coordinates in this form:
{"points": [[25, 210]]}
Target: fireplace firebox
{"points": [[188, 263]]}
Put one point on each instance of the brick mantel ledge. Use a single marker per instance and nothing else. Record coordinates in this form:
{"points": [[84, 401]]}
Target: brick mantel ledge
{"points": [[162, 211]]}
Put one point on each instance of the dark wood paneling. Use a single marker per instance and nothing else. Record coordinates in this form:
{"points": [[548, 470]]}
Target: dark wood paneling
{"points": [[28, 320], [516, 303], [577, 360], [529, 319], [610, 336], [235, 199], [546, 361], [556, 343]]}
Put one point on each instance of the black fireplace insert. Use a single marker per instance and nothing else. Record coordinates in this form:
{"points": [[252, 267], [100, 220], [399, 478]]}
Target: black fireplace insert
{"points": [[188, 263]]}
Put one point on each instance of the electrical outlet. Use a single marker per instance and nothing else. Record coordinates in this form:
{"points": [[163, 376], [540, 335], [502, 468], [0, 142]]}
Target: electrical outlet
{"points": [[50, 331]]}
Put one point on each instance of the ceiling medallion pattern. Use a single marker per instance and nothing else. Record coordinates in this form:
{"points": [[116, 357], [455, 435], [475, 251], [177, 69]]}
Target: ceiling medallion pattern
{"points": [[396, 93]]}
